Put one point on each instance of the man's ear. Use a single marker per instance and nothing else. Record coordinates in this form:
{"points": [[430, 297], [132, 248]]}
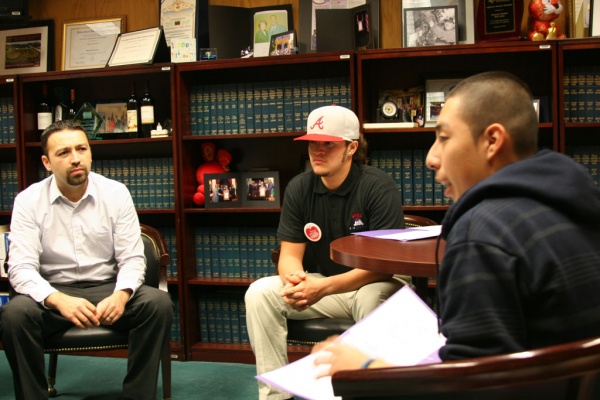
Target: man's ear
{"points": [[46, 163], [495, 138]]}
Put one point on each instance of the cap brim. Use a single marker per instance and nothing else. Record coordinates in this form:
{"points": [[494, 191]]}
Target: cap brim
{"points": [[320, 138]]}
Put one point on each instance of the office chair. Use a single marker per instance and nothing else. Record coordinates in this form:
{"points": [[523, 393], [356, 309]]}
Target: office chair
{"points": [[101, 338], [312, 331], [561, 372]]}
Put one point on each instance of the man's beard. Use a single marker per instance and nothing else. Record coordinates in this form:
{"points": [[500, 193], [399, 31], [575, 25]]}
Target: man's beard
{"points": [[79, 180]]}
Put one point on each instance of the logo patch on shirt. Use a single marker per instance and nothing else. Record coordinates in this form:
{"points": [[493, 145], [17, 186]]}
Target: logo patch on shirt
{"points": [[358, 222], [312, 232]]}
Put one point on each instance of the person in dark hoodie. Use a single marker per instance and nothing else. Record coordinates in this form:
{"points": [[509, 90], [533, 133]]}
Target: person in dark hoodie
{"points": [[521, 269]]}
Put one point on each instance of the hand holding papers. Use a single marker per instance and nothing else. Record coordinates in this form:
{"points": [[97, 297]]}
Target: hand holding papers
{"points": [[404, 235], [402, 331]]}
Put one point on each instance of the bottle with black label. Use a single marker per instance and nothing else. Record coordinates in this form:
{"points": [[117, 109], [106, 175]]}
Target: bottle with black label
{"points": [[72, 108], [147, 112], [44, 112], [133, 114]]}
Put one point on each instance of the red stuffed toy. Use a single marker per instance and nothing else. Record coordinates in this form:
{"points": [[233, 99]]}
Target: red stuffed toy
{"points": [[542, 13], [211, 165]]}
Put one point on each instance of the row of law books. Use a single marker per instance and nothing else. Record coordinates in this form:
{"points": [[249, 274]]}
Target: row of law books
{"points": [[7, 120], [581, 85], [170, 240], [262, 107], [150, 180], [234, 251], [412, 177], [222, 317], [589, 157], [9, 186]]}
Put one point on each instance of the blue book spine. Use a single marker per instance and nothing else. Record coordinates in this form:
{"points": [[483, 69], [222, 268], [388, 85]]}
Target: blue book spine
{"points": [[272, 246], [4, 187], [251, 258], [174, 261], [428, 181], [243, 240], [223, 256], [272, 106], [235, 252], [328, 91], [250, 113], [243, 327], [241, 108], [199, 250], [297, 102], [407, 178], [214, 252], [227, 89], [288, 106], [152, 201], [418, 178], [589, 93], [335, 91], [396, 156], [194, 111], [265, 252], [235, 123], [374, 158], [313, 100], [171, 182], [265, 87], [206, 243], [258, 106], [234, 316], [305, 103], [345, 92], [226, 312], [3, 120], [220, 99], [214, 126], [218, 305], [204, 116], [211, 317], [279, 117]]}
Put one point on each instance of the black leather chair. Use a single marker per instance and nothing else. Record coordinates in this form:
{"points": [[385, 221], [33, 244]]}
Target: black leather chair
{"points": [[562, 372], [101, 338], [312, 331]]}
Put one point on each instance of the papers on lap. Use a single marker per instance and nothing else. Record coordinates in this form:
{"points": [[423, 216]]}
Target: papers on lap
{"points": [[403, 331], [404, 235]]}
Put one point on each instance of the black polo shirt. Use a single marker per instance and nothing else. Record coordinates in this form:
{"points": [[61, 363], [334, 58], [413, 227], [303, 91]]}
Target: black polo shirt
{"points": [[367, 200]]}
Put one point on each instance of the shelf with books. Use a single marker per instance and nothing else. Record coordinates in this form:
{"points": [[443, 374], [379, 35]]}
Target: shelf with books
{"points": [[9, 146], [225, 249]]}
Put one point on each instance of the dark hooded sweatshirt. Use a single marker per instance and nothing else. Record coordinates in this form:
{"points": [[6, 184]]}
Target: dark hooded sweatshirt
{"points": [[522, 263]]}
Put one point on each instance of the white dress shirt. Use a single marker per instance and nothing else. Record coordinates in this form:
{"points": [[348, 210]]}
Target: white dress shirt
{"points": [[56, 241]]}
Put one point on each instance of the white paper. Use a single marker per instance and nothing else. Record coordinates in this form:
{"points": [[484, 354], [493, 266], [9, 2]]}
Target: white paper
{"points": [[404, 235], [402, 331]]}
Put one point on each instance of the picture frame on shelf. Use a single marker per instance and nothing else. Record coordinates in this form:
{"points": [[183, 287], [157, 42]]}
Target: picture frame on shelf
{"points": [[436, 91], [283, 44], [222, 190], [114, 115], [185, 19], [29, 49], [594, 18], [89, 43], [430, 26], [466, 16], [261, 189], [579, 18]]}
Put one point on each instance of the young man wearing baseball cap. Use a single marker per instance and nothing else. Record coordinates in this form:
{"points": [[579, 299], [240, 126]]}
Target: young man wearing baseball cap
{"points": [[339, 196]]}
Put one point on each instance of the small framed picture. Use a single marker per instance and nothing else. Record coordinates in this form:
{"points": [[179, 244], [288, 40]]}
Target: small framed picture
{"points": [[261, 189], [283, 44], [115, 117], [430, 26], [221, 190], [436, 91]]}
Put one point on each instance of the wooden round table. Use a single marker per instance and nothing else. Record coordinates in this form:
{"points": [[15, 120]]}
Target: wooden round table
{"points": [[415, 257]]}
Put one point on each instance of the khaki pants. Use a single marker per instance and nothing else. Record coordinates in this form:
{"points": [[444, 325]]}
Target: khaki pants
{"points": [[266, 315]]}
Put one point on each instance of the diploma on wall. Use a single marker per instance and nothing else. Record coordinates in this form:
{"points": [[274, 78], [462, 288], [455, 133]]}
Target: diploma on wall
{"points": [[402, 331]]}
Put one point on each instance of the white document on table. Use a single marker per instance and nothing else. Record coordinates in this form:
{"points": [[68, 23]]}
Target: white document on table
{"points": [[420, 232], [402, 331]]}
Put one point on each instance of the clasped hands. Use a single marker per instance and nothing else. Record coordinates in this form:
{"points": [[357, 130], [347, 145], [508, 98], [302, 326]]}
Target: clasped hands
{"points": [[84, 314], [300, 290]]}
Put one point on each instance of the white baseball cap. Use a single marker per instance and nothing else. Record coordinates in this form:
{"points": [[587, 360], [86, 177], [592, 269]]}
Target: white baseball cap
{"points": [[331, 124]]}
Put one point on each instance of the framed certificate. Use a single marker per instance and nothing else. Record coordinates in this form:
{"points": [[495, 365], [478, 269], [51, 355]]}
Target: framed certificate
{"points": [[140, 47], [185, 19], [89, 43]]}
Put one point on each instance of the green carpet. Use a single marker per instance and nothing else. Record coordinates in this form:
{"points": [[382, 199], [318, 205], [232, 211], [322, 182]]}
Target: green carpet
{"points": [[99, 378]]}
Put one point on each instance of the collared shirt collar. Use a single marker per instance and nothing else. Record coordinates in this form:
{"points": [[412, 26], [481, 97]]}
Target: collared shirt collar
{"points": [[55, 192]]}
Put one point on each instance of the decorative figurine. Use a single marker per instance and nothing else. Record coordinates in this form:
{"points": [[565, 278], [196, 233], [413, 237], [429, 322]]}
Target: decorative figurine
{"points": [[542, 13]]}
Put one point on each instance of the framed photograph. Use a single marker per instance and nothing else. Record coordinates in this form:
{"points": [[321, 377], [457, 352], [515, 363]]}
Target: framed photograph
{"points": [[261, 189], [283, 44], [114, 115], [185, 19], [579, 18], [28, 49], [222, 190], [431, 26], [466, 16], [89, 43], [594, 18], [436, 91]]}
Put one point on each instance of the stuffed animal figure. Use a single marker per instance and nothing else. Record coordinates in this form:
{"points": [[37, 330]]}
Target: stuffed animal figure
{"points": [[542, 13], [214, 163]]}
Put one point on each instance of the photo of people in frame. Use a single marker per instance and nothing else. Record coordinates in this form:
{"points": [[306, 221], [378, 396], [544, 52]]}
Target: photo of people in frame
{"points": [[221, 190]]}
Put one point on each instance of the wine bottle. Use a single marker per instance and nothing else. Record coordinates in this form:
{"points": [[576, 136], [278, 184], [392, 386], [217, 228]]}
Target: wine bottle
{"points": [[44, 113], [133, 114], [72, 109], [147, 112]]}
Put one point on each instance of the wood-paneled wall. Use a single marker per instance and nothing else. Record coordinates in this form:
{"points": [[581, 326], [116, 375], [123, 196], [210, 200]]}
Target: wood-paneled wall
{"points": [[141, 14]]}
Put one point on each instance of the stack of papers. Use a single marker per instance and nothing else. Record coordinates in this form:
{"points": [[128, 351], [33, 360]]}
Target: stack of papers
{"points": [[404, 235], [402, 331]]}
